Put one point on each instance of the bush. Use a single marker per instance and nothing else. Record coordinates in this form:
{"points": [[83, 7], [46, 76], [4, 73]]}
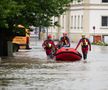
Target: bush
{"points": [[100, 43]]}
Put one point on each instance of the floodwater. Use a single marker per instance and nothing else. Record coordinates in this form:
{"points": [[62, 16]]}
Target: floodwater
{"points": [[29, 70]]}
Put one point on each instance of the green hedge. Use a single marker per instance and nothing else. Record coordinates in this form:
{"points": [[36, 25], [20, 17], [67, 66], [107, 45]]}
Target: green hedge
{"points": [[100, 43]]}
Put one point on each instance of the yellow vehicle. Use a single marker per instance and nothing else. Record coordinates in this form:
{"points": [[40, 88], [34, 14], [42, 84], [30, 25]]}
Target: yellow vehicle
{"points": [[21, 40]]}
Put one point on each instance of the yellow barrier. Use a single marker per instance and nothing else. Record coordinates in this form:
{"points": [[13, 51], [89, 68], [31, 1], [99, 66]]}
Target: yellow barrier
{"points": [[19, 40]]}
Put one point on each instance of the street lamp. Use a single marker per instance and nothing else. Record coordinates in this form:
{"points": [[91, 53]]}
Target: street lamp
{"points": [[94, 33]]}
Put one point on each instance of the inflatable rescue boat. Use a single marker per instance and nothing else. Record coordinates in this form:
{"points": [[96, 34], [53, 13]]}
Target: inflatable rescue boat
{"points": [[67, 54]]}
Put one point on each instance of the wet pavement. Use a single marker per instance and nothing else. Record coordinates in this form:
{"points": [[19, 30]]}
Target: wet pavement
{"points": [[30, 70]]}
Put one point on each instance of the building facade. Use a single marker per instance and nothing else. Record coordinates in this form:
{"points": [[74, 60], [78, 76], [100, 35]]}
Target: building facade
{"points": [[88, 17]]}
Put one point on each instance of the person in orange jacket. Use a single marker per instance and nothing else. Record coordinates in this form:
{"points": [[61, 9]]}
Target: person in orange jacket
{"points": [[64, 40], [85, 45], [27, 38], [49, 47]]}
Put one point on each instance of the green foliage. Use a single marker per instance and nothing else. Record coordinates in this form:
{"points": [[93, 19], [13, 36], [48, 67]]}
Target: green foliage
{"points": [[29, 12], [35, 12], [8, 10], [39, 12], [100, 43]]}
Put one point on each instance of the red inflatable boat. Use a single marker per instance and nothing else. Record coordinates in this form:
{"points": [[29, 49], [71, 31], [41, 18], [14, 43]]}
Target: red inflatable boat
{"points": [[67, 54]]}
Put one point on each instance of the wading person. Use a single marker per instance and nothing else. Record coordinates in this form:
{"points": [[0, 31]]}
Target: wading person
{"points": [[64, 40], [27, 38], [49, 47], [85, 45]]}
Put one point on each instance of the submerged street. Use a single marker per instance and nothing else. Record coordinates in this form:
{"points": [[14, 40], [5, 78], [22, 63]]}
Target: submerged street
{"points": [[30, 70]]}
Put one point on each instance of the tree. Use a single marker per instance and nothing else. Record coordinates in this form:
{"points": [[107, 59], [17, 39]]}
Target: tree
{"points": [[26, 12], [39, 12], [8, 10]]}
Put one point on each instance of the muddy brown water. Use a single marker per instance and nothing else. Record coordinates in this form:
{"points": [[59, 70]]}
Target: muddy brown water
{"points": [[29, 70]]}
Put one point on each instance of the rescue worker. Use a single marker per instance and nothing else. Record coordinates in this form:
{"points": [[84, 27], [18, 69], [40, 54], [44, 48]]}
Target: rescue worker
{"points": [[27, 38], [85, 45], [64, 40], [49, 47]]}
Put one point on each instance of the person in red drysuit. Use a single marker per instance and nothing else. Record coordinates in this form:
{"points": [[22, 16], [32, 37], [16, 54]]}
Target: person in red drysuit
{"points": [[85, 45], [49, 47], [64, 40]]}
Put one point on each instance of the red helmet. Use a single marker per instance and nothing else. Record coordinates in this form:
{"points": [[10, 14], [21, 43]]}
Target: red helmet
{"points": [[49, 36]]}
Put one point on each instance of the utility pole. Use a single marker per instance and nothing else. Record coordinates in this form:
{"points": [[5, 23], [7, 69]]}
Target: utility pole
{"points": [[94, 34]]}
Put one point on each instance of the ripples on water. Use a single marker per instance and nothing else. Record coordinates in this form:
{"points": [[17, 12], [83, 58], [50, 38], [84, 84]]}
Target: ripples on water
{"points": [[53, 76], [47, 76], [43, 75]]}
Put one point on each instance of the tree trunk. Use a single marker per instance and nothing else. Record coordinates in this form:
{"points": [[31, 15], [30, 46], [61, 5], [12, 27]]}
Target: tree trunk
{"points": [[39, 32], [3, 48], [6, 48], [10, 48], [6, 36]]}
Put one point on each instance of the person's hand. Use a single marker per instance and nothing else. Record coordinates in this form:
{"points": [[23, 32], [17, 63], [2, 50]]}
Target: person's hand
{"points": [[44, 47], [89, 49], [75, 48], [69, 45]]}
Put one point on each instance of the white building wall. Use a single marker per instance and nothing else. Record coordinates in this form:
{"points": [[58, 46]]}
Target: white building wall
{"points": [[96, 9], [81, 15], [76, 21], [63, 24], [76, 25], [95, 1], [95, 20], [53, 30]]}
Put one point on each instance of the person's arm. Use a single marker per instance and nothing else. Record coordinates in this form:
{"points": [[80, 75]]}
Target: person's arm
{"points": [[43, 45], [54, 45], [89, 44], [78, 44], [61, 41], [68, 41]]}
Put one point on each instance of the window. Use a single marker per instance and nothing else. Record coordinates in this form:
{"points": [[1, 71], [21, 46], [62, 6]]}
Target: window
{"points": [[71, 22], [77, 1], [80, 0], [104, 20], [81, 21], [78, 22], [105, 1], [63, 21], [75, 22]]}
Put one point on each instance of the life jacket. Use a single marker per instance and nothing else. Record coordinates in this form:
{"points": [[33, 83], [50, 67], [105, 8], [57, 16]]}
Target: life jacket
{"points": [[27, 33], [84, 42], [65, 40], [48, 45]]}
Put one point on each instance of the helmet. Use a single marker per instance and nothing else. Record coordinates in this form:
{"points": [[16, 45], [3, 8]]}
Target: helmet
{"points": [[83, 35], [65, 33], [49, 36], [20, 26]]}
